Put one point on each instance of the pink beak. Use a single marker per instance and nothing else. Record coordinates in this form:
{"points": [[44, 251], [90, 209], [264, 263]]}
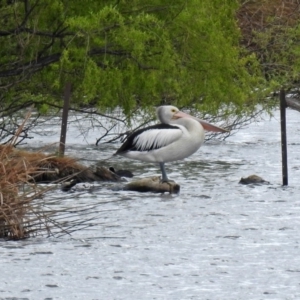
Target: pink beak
{"points": [[207, 126]]}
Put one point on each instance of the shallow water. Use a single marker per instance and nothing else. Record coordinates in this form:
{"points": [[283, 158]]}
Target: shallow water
{"points": [[217, 239]]}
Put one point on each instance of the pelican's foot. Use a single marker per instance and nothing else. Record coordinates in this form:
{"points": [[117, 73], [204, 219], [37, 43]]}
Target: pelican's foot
{"points": [[171, 185], [167, 181]]}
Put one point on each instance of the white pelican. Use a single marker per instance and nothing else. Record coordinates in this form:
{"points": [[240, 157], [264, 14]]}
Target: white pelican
{"points": [[178, 136]]}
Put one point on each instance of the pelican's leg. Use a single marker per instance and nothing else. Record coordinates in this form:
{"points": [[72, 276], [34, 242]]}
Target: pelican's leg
{"points": [[163, 172]]}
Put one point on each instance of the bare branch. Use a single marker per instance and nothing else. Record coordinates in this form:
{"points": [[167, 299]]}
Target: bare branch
{"points": [[33, 65]]}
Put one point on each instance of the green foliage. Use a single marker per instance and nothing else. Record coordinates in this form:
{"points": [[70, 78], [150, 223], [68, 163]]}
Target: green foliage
{"points": [[128, 54]]}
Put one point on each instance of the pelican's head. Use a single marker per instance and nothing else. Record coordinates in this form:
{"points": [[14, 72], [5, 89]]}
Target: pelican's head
{"points": [[167, 113]]}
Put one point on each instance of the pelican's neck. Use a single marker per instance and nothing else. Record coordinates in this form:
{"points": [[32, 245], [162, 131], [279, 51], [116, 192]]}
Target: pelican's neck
{"points": [[193, 127]]}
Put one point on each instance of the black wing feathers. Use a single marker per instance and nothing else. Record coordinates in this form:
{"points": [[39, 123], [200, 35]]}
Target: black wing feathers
{"points": [[130, 145]]}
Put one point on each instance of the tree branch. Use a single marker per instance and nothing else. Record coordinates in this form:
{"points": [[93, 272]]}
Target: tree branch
{"points": [[33, 65]]}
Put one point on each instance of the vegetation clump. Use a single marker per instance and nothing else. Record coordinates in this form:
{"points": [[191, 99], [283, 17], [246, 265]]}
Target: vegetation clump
{"points": [[18, 218]]}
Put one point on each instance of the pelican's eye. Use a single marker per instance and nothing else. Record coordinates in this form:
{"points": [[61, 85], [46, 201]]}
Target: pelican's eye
{"points": [[174, 112]]}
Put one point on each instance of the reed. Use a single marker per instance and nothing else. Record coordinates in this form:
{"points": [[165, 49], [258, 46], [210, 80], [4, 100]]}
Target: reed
{"points": [[20, 216], [13, 203]]}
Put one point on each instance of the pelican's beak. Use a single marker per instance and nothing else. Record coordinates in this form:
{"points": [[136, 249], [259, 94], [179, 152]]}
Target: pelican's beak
{"points": [[207, 126]]}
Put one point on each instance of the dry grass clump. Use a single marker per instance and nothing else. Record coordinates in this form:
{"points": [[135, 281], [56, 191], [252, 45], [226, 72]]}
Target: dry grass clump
{"points": [[21, 215], [15, 205], [17, 216], [15, 201]]}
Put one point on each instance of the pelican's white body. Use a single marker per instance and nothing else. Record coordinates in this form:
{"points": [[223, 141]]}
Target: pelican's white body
{"points": [[174, 144]]}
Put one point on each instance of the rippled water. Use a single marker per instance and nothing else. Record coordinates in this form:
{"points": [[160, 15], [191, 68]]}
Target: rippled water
{"points": [[217, 239]]}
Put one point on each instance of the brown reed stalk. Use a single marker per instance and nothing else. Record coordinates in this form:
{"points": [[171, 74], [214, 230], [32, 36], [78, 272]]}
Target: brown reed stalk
{"points": [[17, 191]]}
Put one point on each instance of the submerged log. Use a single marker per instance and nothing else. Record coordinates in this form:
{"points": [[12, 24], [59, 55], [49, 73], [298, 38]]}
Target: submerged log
{"points": [[105, 174], [153, 184]]}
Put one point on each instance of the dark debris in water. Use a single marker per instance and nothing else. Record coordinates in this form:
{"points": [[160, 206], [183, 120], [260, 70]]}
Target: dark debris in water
{"points": [[51, 285], [41, 252], [122, 173], [233, 237], [253, 179]]}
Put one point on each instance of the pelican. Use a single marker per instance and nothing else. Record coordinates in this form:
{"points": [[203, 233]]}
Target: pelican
{"points": [[178, 136]]}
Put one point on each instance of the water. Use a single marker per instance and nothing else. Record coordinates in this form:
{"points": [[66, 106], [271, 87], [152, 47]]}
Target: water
{"points": [[217, 239]]}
